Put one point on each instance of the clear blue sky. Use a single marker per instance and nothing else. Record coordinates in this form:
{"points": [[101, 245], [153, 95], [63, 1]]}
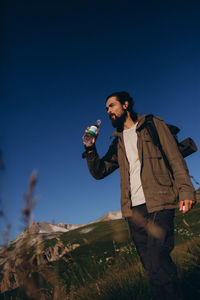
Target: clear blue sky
{"points": [[60, 59]]}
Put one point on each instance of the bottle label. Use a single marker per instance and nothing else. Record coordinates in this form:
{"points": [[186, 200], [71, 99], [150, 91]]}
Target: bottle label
{"points": [[92, 130]]}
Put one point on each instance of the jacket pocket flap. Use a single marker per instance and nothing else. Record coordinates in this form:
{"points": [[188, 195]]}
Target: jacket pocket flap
{"points": [[163, 180]]}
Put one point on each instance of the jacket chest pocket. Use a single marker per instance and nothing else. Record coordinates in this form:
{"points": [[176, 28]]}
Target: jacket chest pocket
{"points": [[155, 162], [150, 150]]}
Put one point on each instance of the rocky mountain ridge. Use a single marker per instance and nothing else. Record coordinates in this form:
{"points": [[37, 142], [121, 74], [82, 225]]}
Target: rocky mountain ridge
{"points": [[46, 227]]}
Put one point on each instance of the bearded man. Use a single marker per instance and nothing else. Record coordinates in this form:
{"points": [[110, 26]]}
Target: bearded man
{"points": [[150, 190]]}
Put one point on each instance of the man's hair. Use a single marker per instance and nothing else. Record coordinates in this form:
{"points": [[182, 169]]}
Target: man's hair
{"points": [[122, 97]]}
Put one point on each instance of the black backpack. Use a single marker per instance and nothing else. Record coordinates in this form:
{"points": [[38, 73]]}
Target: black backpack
{"points": [[186, 147]]}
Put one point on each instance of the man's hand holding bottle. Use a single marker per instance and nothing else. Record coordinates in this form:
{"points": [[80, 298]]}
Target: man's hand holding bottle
{"points": [[91, 134]]}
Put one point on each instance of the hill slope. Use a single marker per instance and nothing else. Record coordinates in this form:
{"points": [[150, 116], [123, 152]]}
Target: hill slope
{"points": [[54, 264]]}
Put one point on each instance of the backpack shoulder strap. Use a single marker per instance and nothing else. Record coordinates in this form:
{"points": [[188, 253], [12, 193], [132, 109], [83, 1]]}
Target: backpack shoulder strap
{"points": [[151, 128]]}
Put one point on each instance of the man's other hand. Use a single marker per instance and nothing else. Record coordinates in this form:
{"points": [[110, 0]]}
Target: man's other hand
{"points": [[185, 205]]}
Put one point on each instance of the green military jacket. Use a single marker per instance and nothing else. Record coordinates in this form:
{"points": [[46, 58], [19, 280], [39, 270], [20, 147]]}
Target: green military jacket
{"points": [[162, 189]]}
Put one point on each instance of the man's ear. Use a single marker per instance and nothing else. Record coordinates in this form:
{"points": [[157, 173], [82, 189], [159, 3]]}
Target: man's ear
{"points": [[125, 105]]}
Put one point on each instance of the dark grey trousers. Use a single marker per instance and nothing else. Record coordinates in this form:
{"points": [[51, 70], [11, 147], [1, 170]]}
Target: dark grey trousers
{"points": [[153, 235]]}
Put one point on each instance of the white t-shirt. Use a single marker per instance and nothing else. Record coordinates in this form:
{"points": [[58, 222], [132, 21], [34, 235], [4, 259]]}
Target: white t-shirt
{"points": [[130, 141]]}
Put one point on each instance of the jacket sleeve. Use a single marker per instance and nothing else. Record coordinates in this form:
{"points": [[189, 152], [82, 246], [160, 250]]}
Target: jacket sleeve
{"points": [[100, 168], [176, 161]]}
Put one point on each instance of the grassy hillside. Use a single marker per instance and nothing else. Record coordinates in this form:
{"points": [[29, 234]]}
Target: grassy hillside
{"points": [[105, 266]]}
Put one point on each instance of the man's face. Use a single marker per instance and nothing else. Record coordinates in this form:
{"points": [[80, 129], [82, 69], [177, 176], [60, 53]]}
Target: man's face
{"points": [[116, 111]]}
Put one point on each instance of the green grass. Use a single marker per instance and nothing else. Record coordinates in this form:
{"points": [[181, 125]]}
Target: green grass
{"points": [[130, 282], [99, 249], [187, 226]]}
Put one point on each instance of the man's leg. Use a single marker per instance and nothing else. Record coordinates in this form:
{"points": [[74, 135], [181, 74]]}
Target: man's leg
{"points": [[153, 236]]}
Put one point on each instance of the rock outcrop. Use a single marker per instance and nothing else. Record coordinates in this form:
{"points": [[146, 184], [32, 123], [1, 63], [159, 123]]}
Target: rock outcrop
{"points": [[36, 246], [23, 256]]}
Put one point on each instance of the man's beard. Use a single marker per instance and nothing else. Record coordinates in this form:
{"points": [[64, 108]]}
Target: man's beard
{"points": [[118, 122]]}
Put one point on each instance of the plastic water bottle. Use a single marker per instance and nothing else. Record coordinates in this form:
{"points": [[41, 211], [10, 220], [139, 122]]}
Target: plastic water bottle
{"points": [[88, 137]]}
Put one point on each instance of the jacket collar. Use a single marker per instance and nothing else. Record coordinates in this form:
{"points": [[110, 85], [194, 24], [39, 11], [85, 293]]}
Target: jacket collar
{"points": [[141, 120]]}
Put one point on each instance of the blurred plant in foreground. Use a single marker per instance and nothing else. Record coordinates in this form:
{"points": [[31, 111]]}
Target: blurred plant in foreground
{"points": [[30, 202]]}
